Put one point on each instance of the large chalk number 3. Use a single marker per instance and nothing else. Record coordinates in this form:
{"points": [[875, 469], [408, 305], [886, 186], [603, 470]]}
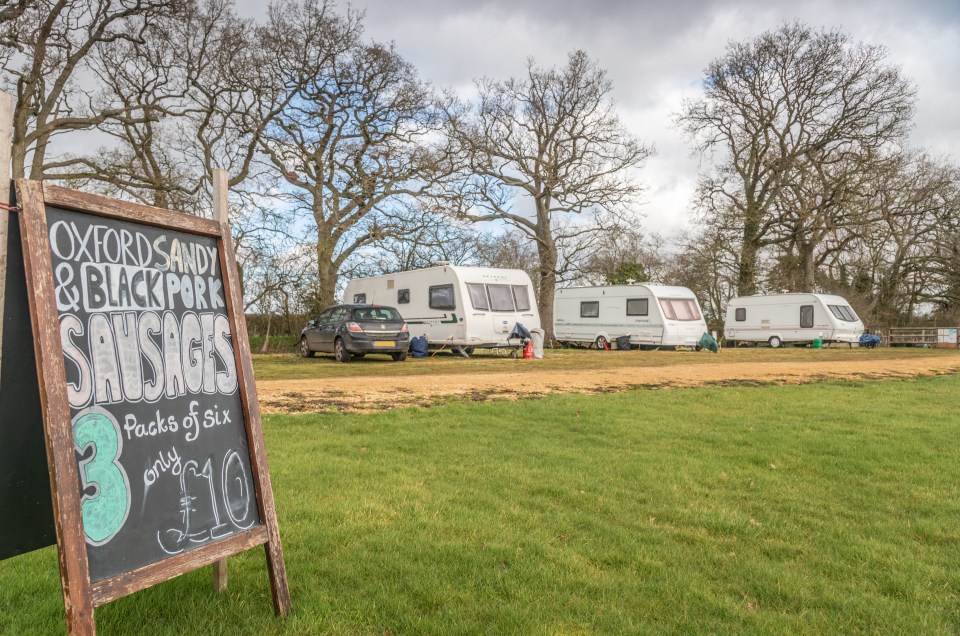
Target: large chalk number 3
{"points": [[106, 490]]}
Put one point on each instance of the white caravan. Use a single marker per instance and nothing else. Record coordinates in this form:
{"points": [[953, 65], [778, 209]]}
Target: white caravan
{"points": [[652, 315], [460, 307], [780, 318]]}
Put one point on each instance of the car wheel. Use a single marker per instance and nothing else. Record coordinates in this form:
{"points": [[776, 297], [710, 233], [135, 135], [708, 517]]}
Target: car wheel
{"points": [[305, 351], [775, 342], [340, 351], [602, 343], [399, 356]]}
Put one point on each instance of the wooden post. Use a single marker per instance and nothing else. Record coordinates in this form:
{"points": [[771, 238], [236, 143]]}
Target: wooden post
{"points": [[6, 134], [220, 188], [61, 458]]}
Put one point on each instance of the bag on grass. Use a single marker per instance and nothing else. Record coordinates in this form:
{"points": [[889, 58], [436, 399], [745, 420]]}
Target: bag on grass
{"points": [[709, 343], [870, 340], [419, 346]]}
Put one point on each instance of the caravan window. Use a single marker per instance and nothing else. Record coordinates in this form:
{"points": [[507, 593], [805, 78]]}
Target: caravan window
{"points": [[478, 296], [680, 309], [501, 298], [441, 297], [806, 316], [638, 306], [740, 314], [590, 309], [359, 299], [842, 312], [521, 297], [403, 296]]}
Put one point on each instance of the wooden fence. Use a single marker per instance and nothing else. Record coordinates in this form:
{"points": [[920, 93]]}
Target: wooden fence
{"points": [[928, 337]]}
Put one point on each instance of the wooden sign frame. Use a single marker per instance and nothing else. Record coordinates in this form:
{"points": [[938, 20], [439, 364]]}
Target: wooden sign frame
{"points": [[80, 595]]}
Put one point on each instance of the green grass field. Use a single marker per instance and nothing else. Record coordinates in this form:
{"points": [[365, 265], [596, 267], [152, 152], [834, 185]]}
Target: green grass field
{"points": [[822, 508]]}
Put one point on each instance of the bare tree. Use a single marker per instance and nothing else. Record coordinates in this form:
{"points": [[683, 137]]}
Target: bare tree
{"points": [[705, 264], [903, 254], [203, 92], [509, 250], [425, 236], [780, 110], [624, 252], [50, 44], [359, 138], [543, 146], [10, 11]]}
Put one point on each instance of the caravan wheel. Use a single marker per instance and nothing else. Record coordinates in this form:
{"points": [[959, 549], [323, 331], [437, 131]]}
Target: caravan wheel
{"points": [[601, 342], [775, 342]]}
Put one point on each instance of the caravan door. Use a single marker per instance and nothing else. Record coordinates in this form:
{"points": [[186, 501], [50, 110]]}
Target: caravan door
{"points": [[647, 330]]}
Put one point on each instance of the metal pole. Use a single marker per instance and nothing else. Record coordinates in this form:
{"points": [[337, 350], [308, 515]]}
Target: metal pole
{"points": [[6, 136], [220, 190]]}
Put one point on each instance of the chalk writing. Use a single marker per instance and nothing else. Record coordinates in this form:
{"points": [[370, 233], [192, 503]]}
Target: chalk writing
{"points": [[106, 490], [151, 378], [193, 500]]}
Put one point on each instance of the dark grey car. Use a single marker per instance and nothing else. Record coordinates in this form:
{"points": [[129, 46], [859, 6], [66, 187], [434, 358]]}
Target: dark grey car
{"points": [[349, 331]]}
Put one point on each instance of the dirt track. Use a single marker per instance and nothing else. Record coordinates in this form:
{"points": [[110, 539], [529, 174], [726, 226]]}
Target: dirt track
{"points": [[377, 393]]}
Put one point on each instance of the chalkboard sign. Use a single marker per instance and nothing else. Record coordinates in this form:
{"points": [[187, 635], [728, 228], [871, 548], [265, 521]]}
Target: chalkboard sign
{"points": [[153, 390], [147, 393], [24, 481]]}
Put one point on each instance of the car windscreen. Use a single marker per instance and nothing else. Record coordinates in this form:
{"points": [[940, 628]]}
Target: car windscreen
{"points": [[680, 309], [843, 312], [376, 314]]}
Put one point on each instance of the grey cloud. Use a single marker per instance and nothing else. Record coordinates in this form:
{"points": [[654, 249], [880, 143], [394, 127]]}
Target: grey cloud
{"points": [[655, 53]]}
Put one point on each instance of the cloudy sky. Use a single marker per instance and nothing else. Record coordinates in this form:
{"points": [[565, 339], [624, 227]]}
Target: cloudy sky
{"points": [[655, 53]]}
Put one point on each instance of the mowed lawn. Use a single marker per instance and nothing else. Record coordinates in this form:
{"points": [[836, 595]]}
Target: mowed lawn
{"points": [[822, 508]]}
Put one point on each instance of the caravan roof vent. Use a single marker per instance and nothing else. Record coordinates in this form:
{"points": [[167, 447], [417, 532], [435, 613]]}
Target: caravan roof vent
{"points": [[441, 263]]}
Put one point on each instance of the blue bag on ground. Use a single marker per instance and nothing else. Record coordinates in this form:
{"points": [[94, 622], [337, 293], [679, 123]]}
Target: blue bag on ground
{"points": [[869, 340], [419, 346]]}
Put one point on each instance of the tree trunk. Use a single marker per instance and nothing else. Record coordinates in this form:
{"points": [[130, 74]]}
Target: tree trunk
{"points": [[747, 273], [266, 338], [326, 275], [547, 286], [809, 265]]}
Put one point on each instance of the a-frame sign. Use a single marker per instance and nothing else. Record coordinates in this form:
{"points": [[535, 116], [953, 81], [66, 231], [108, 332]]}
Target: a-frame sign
{"points": [[147, 396]]}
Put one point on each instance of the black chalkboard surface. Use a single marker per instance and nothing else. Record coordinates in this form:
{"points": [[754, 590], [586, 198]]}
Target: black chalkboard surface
{"points": [[153, 388], [24, 481]]}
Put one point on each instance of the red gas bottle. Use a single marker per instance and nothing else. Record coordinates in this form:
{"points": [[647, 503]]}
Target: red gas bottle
{"points": [[528, 350]]}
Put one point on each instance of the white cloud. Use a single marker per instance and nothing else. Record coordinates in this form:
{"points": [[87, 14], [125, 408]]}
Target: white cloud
{"points": [[655, 53]]}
